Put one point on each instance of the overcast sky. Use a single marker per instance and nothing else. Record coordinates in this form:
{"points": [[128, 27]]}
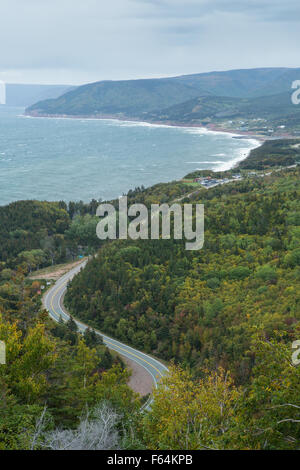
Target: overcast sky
{"points": [[74, 42]]}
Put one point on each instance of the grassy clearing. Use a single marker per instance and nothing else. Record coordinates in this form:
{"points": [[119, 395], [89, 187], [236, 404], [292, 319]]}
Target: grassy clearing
{"points": [[56, 271]]}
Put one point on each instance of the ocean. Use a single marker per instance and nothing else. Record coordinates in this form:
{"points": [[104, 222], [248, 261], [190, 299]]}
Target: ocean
{"points": [[81, 159]]}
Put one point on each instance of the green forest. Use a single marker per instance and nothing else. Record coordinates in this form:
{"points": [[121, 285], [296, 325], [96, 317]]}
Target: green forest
{"points": [[256, 100], [203, 307], [52, 375], [162, 95], [51, 370], [233, 306], [224, 318], [273, 153]]}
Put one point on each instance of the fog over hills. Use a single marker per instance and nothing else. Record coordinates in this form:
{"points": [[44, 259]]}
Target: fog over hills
{"points": [[24, 95]]}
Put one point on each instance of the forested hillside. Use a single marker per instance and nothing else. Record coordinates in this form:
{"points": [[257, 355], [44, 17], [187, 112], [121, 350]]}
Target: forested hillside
{"points": [[228, 314], [24, 224], [137, 97], [36, 234], [225, 316], [273, 153], [275, 109], [203, 307], [52, 375]]}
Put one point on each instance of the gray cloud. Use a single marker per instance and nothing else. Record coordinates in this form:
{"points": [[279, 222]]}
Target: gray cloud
{"points": [[68, 41], [262, 10]]}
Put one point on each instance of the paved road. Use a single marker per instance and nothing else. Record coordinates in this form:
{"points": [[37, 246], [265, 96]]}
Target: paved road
{"points": [[54, 304]]}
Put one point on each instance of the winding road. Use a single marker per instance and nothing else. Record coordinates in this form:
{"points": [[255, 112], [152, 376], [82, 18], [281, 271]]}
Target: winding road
{"points": [[53, 302]]}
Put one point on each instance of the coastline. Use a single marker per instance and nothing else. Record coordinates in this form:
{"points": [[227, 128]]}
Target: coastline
{"points": [[210, 129], [103, 117]]}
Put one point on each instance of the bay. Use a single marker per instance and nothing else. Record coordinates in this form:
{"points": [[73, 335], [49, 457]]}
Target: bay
{"points": [[80, 159]]}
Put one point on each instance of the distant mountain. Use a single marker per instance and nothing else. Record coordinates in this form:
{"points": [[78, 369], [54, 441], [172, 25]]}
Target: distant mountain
{"points": [[24, 95], [275, 108], [134, 98]]}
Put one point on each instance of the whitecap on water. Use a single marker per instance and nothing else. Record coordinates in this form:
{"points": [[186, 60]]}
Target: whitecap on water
{"points": [[208, 162]]}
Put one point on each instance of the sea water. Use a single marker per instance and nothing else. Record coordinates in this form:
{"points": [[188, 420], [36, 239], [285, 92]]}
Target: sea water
{"points": [[81, 159]]}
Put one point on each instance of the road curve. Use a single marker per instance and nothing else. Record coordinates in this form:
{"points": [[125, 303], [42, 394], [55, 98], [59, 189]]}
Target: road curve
{"points": [[53, 303]]}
